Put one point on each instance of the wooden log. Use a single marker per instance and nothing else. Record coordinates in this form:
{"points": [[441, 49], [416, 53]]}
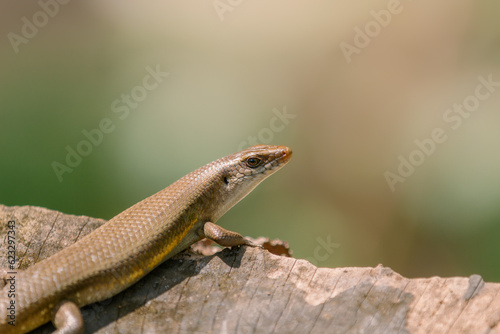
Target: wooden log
{"points": [[250, 290]]}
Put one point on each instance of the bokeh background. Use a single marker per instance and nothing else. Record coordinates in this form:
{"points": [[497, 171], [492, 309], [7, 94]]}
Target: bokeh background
{"points": [[276, 71]]}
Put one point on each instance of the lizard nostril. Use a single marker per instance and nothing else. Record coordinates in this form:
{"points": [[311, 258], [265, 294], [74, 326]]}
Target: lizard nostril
{"points": [[287, 153]]}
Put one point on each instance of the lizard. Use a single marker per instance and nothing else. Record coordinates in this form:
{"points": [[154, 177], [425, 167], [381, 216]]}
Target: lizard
{"points": [[134, 242]]}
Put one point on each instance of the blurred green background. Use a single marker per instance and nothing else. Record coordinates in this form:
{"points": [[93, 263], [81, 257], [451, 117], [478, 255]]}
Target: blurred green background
{"points": [[279, 72]]}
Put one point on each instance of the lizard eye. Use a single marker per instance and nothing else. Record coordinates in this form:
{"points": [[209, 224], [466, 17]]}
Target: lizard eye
{"points": [[253, 162]]}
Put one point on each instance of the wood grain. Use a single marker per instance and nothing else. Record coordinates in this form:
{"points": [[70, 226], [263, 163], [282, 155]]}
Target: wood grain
{"points": [[249, 290]]}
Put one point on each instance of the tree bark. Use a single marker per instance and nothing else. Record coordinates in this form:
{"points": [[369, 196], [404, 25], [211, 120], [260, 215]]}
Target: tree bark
{"points": [[249, 290]]}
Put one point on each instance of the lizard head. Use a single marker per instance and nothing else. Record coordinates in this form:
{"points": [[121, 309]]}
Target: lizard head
{"points": [[244, 170]]}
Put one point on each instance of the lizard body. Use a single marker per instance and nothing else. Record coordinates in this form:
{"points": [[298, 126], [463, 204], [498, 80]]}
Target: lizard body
{"points": [[131, 244]]}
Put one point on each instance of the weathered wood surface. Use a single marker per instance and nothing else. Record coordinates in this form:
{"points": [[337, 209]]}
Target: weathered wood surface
{"points": [[253, 291]]}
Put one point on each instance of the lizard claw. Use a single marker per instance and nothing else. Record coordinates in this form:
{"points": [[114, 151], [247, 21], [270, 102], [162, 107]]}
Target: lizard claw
{"points": [[253, 244]]}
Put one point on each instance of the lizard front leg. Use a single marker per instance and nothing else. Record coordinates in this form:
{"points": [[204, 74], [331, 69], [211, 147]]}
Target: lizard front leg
{"points": [[224, 237]]}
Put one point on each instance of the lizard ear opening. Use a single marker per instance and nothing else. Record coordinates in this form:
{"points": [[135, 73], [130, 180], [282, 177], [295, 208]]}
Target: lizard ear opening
{"points": [[226, 180]]}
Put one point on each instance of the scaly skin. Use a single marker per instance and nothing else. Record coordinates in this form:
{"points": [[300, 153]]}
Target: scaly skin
{"points": [[130, 245]]}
